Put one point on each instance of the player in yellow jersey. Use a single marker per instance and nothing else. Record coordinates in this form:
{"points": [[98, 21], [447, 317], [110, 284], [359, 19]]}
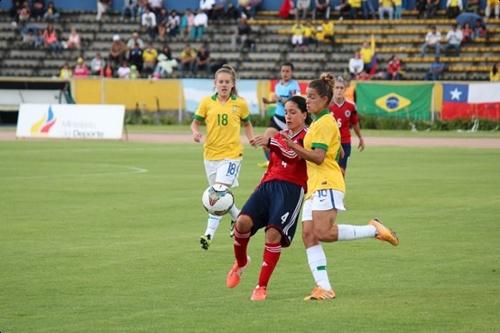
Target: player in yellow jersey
{"points": [[326, 188], [223, 114]]}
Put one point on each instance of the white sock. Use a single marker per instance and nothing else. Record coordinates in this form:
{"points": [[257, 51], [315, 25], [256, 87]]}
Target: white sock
{"points": [[350, 232], [212, 225], [317, 263], [234, 211]]}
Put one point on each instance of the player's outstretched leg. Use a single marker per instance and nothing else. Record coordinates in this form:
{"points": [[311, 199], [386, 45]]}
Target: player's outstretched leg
{"points": [[383, 233], [208, 236]]}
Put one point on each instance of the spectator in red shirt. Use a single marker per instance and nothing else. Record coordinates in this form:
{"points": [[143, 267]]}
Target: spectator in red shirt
{"points": [[345, 113], [394, 68], [81, 70]]}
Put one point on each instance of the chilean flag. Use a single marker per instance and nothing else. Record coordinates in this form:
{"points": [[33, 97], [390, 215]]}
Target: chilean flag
{"points": [[475, 100]]}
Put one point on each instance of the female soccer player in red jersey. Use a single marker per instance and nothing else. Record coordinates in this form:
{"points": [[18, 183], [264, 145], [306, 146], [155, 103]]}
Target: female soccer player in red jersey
{"points": [[275, 203], [345, 113]]}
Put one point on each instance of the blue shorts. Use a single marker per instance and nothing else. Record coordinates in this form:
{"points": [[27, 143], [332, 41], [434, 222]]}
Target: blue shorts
{"points": [[275, 204], [347, 153]]}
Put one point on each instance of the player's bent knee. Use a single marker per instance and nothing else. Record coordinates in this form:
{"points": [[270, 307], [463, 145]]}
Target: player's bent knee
{"points": [[244, 223], [273, 236]]}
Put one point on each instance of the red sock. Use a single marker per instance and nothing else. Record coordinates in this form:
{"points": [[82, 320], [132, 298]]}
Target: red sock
{"points": [[240, 246], [271, 256]]}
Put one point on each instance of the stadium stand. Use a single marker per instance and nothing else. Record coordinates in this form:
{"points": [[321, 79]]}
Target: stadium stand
{"points": [[272, 36]]}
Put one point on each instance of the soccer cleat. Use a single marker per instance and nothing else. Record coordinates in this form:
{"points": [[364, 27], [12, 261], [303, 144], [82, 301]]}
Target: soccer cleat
{"points": [[384, 233], [234, 275], [205, 241], [259, 294], [263, 165], [318, 294], [231, 230]]}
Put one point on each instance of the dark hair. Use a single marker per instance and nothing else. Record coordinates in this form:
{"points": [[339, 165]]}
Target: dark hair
{"points": [[494, 69], [324, 86], [228, 69], [301, 103], [289, 64]]}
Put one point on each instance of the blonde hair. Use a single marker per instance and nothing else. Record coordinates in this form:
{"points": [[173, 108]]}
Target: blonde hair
{"points": [[228, 69], [324, 86]]}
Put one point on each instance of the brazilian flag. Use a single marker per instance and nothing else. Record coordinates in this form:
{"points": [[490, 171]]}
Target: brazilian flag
{"points": [[400, 100]]}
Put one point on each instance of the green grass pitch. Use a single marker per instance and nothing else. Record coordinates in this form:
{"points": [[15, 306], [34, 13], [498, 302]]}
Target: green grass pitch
{"points": [[103, 237]]}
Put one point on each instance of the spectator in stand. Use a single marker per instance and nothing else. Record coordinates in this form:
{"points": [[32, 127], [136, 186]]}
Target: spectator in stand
{"points": [[297, 34], [420, 5], [287, 9], [202, 60], [173, 23], [241, 34], [81, 70], [495, 72], [398, 8], [479, 29], [431, 8], [134, 72], [187, 23], [155, 6], [473, 6], [187, 59], [50, 40], [454, 38], [249, 8], [302, 9], [37, 9], [435, 71], [489, 4], [51, 14], [232, 12], [97, 65], [207, 6], [355, 8], [218, 10], [102, 7], [108, 70], [321, 7], [129, 10], [148, 23], [453, 8], [24, 14], [165, 67], [161, 23], [135, 57], [385, 7], [310, 35], [367, 53], [149, 56], [368, 10], [356, 66], [74, 40], [200, 24], [394, 68], [123, 71], [135, 39], [166, 51], [65, 73], [432, 40], [117, 52], [39, 40], [467, 32], [328, 30]]}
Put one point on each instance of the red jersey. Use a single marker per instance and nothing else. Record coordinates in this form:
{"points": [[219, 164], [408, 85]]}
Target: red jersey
{"points": [[284, 163], [346, 116]]}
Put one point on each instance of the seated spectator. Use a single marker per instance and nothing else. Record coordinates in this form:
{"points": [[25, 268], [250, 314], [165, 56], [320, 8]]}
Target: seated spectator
{"points": [[241, 34], [356, 65], [39, 40], [454, 38], [135, 39], [29, 38], [249, 8], [164, 67], [108, 70], [398, 8], [173, 23], [218, 10], [385, 7], [321, 9], [102, 7], [420, 5], [355, 8], [302, 9], [368, 10], [432, 40], [117, 52], [187, 23], [431, 8], [37, 9], [394, 68], [298, 34], [51, 14], [14, 12], [166, 51], [24, 14], [136, 57], [123, 71], [81, 70], [206, 6], [200, 24], [74, 41], [97, 65], [187, 59], [467, 32], [161, 23], [495, 72], [50, 40], [287, 9], [489, 4], [65, 72], [435, 71], [156, 6], [328, 30], [149, 56], [129, 10], [473, 6], [310, 35], [453, 8], [231, 12], [202, 61], [479, 29], [148, 23]]}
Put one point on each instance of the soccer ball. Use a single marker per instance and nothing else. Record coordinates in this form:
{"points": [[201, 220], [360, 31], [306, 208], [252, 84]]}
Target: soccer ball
{"points": [[217, 199]]}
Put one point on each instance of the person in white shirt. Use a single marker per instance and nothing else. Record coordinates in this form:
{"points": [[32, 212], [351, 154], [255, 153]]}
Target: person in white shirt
{"points": [[356, 65], [200, 23], [123, 71], [433, 40], [454, 38], [97, 64], [135, 39], [148, 23]]}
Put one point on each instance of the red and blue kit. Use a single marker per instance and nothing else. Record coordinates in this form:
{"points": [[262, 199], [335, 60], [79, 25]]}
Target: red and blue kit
{"points": [[346, 115]]}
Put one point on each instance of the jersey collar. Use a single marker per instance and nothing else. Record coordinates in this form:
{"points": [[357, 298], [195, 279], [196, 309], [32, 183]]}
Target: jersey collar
{"points": [[321, 114]]}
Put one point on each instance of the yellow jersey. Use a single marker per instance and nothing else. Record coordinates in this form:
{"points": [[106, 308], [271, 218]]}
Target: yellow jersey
{"points": [[324, 134], [223, 121], [328, 28]]}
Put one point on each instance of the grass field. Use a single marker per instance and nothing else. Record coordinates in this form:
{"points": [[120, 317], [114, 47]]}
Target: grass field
{"points": [[103, 237]]}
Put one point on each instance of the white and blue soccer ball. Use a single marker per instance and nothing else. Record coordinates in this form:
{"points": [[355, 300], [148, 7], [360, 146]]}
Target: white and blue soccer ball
{"points": [[217, 199]]}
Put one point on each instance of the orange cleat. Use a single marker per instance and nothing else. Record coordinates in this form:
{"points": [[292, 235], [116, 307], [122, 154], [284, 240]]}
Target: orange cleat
{"points": [[319, 294], [259, 294], [384, 233], [234, 275]]}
